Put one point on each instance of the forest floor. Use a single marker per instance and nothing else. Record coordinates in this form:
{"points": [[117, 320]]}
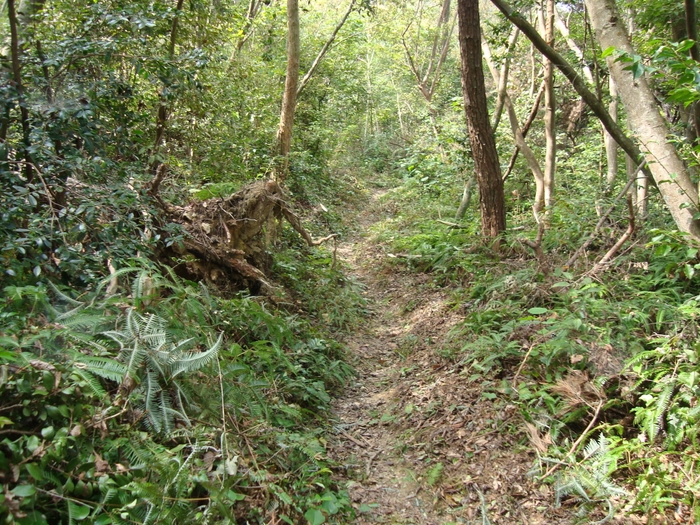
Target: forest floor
{"points": [[420, 442]]}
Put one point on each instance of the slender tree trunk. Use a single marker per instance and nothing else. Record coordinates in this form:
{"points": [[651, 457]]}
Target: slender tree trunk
{"points": [[549, 115], [428, 76], [289, 99], [644, 118], [519, 138], [466, 198], [575, 49], [488, 170], [610, 144], [19, 88], [162, 115], [503, 82], [325, 49], [691, 25]]}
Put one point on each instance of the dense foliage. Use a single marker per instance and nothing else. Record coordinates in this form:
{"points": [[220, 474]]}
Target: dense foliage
{"points": [[129, 394]]}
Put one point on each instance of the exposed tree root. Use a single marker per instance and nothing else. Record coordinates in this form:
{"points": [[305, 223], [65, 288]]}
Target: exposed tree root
{"points": [[228, 238]]}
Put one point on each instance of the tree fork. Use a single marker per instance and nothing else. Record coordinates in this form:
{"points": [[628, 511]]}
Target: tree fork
{"points": [[576, 81]]}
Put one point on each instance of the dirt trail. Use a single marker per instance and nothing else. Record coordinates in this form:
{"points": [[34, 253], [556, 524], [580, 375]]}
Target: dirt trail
{"points": [[420, 443]]}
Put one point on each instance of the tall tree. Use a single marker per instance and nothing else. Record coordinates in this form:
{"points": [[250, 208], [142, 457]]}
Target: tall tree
{"points": [[483, 144], [643, 115], [664, 163], [291, 85]]}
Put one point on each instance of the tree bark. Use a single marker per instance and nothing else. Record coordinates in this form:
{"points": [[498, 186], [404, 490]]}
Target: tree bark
{"points": [[644, 118], [549, 117], [15, 49], [289, 99], [483, 144], [610, 144], [691, 26]]}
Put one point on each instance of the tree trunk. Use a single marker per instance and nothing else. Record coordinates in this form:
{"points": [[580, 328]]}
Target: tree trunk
{"points": [[488, 170], [519, 138], [549, 117], [644, 118], [162, 115], [15, 49], [691, 26], [610, 144], [289, 100]]}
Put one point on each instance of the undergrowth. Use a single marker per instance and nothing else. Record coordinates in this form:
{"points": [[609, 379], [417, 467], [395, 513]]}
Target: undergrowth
{"points": [[603, 363], [149, 400]]}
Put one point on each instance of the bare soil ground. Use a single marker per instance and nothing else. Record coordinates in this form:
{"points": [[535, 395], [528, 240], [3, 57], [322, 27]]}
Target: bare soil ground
{"points": [[420, 443]]}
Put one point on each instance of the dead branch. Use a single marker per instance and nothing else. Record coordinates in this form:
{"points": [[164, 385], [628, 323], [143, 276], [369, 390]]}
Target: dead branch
{"points": [[622, 240], [536, 246], [602, 220]]}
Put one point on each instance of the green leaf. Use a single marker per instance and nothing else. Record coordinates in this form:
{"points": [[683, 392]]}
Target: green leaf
{"points": [[5, 421], [537, 311], [34, 471], [24, 491], [315, 517], [637, 69], [32, 518], [685, 46], [77, 512], [609, 51]]}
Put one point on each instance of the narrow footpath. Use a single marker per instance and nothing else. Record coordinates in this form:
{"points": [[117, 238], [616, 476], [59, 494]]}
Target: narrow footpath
{"points": [[419, 441]]}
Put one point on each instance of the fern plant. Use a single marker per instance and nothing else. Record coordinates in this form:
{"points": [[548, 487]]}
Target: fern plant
{"points": [[149, 360], [151, 363], [589, 479]]}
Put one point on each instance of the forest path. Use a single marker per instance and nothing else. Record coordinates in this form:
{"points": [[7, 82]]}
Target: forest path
{"points": [[420, 442]]}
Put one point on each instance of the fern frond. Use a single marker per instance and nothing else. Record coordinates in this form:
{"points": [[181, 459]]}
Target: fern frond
{"points": [[62, 296], [167, 413], [104, 367], [135, 358], [108, 280], [118, 337], [196, 360], [154, 411], [91, 381]]}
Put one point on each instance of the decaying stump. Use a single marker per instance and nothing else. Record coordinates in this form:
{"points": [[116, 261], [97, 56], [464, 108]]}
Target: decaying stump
{"points": [[227, 238]]}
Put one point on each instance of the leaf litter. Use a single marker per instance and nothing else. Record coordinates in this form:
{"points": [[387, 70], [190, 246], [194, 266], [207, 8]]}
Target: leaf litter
{"points": [[420, 442]]}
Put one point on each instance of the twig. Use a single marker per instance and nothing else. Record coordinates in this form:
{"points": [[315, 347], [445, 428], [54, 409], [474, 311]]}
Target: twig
{"points": [[522, 364], [368, 468], [602, 220], [453, 225], [577, 442], [622, 240], [356, 441]]}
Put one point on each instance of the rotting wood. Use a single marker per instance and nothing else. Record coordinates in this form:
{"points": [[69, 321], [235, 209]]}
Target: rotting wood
{"points": [[226, 238]]}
